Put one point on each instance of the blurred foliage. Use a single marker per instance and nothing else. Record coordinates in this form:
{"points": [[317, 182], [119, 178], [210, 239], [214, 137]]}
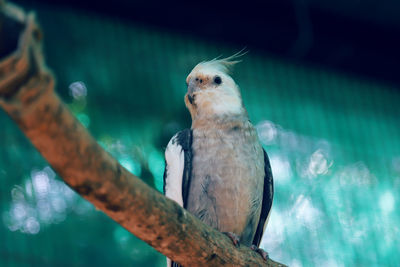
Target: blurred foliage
{"points": [[333, 141]]}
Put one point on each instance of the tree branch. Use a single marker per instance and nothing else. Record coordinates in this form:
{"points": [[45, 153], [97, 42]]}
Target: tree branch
{"points": [[27, 95]]}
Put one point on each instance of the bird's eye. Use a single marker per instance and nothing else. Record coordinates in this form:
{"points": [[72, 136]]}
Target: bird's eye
{"points": [[217, 80]]}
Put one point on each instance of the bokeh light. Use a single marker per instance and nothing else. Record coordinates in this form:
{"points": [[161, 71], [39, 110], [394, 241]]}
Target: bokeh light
{"points": [[43, 200]]}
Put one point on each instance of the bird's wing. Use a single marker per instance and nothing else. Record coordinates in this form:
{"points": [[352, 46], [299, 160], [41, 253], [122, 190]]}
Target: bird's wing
{"points": [[268, 195], [178, 167]]}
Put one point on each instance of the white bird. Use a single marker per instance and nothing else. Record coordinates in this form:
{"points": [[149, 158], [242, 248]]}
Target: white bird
{"points": [[218, 170]]}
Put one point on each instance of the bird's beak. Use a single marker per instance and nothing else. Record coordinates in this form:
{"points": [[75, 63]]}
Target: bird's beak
{"points": [[192, 88]]}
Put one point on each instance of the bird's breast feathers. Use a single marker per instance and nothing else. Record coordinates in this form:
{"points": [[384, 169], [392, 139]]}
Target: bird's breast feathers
{"points": [[227, 174]]}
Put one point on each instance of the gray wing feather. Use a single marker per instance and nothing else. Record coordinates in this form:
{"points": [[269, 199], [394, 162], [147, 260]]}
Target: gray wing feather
{"points": [[185, 140], [180, 143], [268, 194]]}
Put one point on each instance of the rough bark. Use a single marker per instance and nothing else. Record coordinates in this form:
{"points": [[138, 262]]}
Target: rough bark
{"points": [[27, 95]]}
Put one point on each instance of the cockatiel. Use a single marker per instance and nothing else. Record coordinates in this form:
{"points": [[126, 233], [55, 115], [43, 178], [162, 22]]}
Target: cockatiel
{"points": [[218, 170]]}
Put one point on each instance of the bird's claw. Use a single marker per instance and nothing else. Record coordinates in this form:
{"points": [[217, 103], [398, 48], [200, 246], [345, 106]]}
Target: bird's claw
{"points": [[235, 239], [260, 251]]}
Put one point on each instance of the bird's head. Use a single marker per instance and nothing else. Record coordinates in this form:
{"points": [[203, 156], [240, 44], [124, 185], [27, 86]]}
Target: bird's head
{"points": [[212, 91]]}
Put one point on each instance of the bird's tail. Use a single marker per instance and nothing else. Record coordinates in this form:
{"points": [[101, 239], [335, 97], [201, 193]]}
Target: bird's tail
{"points": [[172, 264]]}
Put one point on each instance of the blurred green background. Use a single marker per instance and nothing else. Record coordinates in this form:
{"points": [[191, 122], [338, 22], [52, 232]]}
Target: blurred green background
{"points": [[333, 142]]}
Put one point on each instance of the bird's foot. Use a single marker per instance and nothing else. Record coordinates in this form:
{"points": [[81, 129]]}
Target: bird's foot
{"points": [[235, 239], [260, 251]]}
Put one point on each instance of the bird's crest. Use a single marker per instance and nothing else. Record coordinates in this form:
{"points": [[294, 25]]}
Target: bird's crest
{"points": [[225, 65]]}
